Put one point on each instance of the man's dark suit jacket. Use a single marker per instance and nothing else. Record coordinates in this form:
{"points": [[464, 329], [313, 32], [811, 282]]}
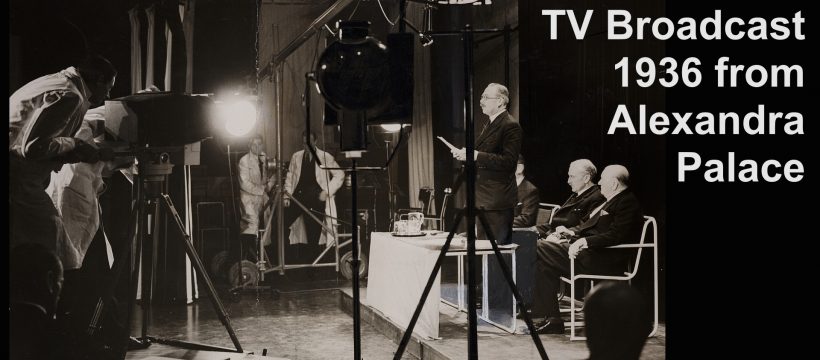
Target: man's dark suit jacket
{"points": [[526, 212], [499, 145], [32, 333], [574, 211], [618, 222]]}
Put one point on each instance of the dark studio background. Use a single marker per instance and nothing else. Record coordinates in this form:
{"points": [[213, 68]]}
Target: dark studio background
{"points": [[730, 241]]}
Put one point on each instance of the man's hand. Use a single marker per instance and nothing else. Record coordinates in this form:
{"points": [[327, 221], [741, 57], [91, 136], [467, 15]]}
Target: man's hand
{"points": [[461, 154], [554, 238], [323, 195], [562, 230], [576, 247], [82, 152]]}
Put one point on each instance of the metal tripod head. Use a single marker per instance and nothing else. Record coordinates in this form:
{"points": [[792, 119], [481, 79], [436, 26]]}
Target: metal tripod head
{"points": [[154, 171]]}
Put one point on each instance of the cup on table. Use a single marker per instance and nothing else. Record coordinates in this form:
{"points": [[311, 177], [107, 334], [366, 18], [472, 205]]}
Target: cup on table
{"points": [[414, 221], [400, 227]]}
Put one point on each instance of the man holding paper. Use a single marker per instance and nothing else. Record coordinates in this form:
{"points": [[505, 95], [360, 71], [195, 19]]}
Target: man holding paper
{"points": [[496, 154]]}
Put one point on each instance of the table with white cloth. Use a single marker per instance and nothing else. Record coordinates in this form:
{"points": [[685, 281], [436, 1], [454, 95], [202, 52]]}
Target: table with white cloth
{"points": [[400, 267]]}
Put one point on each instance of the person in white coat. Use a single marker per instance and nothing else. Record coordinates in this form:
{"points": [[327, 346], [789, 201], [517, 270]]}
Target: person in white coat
{"points": [[44, 116], [316, 191], [254, 186]]}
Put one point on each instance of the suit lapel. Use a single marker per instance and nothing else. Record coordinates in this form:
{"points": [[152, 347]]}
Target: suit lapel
{"points": [[594, 220], [491, 128]]}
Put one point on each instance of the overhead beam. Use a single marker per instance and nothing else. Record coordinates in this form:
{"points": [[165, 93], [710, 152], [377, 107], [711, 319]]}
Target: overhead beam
{"points": [[313, 28]]}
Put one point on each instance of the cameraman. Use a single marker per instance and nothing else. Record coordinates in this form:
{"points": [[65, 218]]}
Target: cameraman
{"points": [[44, 116]]}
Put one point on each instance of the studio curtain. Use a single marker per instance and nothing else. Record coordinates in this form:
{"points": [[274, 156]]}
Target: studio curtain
{"points": [[420, 145]]}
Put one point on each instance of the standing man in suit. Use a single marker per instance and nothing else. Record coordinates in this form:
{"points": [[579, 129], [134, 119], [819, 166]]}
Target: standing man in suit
{"points": [[496, 154], [526, 211], [586, 196], [617, 221]]}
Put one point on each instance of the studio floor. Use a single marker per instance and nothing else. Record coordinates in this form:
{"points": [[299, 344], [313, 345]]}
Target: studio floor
{"points": [[310, 320]]}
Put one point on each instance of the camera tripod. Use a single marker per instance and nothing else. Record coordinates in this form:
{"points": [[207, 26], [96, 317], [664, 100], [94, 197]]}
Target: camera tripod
{"points": [[146, 215]]}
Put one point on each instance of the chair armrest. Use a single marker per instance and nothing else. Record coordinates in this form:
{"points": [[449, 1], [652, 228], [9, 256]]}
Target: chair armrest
{"points": [[630, 246]]}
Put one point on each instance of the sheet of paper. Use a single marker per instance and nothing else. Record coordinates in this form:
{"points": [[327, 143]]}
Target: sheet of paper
{"points": [[447, 143]]}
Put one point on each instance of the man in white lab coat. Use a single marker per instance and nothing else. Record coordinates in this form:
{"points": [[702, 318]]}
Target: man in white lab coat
{"points": [[254, 185], [316, 191]]}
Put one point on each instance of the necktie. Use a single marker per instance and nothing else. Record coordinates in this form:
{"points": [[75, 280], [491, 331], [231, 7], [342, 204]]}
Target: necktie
{"points": [[484, 128]]}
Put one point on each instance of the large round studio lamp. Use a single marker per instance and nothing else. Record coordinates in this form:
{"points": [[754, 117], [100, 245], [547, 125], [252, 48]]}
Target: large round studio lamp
{"points": [[352, 71]]}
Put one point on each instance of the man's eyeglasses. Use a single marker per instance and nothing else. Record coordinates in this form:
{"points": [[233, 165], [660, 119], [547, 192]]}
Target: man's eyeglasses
{"points": [[485, 97]]}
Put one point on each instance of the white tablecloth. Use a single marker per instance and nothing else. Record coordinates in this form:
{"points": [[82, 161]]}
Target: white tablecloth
{"points": [[399, 269]]}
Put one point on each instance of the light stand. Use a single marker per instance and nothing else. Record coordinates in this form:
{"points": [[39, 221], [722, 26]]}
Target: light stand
{"points": [[354, 169], [391, 197]]}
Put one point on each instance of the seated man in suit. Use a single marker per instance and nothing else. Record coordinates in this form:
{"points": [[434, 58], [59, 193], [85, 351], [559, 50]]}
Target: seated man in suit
{"points": [[617, 221], [586, 196], [526, 211]]}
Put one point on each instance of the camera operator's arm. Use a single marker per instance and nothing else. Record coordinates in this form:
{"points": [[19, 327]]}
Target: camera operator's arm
{"points": [[44, 138], [246, 184]]}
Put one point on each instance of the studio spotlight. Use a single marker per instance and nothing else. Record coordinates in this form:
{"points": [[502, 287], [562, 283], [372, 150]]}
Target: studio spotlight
{"points": [[391, 127], [239, 117]]}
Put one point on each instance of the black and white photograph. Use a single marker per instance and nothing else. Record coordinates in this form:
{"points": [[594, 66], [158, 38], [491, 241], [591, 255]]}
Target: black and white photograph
{"points": [[410, 179]]}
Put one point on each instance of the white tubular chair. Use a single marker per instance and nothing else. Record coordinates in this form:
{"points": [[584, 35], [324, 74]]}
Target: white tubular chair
{"points": [[628, 275], [427, 198]]}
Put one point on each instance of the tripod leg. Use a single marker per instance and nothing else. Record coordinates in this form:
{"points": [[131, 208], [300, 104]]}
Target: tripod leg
{"points": [[508, 276], [148, 291], [409, 332], [139, 233], [200, 268]]}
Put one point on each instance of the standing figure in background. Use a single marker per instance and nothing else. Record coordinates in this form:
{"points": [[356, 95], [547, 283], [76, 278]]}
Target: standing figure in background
{"points": [[75, 191], [526, 211], [315, 190], [44, 116], [254, 185]]}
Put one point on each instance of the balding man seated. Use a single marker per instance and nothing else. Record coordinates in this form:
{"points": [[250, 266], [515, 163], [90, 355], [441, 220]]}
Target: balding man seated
{"points": [[617, 221], [585, 197]]}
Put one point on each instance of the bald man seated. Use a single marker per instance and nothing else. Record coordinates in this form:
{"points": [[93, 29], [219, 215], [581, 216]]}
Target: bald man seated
{"points": [[617, 221]]}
